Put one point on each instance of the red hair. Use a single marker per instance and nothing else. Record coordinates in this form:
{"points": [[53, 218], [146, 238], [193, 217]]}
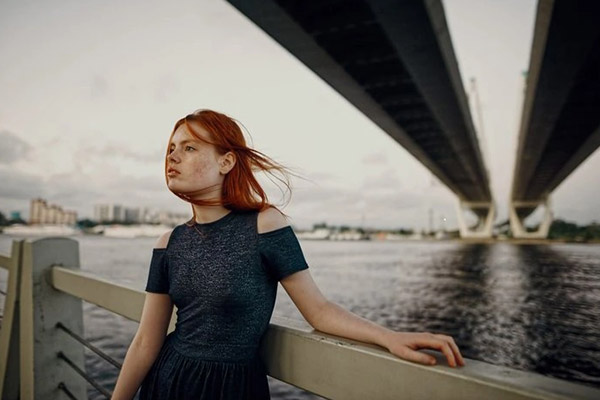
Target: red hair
{"points": [[240, 191]]}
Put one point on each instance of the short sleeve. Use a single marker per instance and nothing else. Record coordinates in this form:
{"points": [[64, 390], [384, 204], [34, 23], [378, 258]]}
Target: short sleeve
{"points": [[281, 253], [158, 277]]}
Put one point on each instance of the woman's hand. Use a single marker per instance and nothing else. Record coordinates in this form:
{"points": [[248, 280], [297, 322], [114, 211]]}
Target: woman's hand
{"points": [[406, 344]]}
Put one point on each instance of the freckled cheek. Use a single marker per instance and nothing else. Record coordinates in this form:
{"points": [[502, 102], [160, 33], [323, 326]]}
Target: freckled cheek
{"points": [[201, 168]]}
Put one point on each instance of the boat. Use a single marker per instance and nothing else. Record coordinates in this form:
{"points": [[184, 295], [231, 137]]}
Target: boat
{"points": [[41, 230], [133, 231]]}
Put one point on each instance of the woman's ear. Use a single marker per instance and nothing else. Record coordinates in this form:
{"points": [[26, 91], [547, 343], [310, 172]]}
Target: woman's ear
{"points": [[226, 162]]}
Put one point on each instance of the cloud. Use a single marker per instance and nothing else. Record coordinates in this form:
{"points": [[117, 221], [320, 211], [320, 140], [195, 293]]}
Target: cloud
{"points": [[344, 201], [375, 159], [98, 87], [19, 185], [131, 186], [384, 181], [12, 148], [118, 151], [332, 195], [377, 190], [166, 87], [315, 176], [81, 191], [67, 190], [117, 187]]}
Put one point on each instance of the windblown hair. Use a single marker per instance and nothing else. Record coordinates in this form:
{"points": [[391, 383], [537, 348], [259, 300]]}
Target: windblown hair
{"points": [[240, 191]]}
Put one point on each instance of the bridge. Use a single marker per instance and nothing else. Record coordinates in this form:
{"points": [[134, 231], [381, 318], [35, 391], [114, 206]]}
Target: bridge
{"points": [[560, 123], [394, 62]]}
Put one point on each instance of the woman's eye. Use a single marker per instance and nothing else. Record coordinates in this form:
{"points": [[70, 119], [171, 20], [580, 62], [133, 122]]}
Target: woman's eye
{"points": [[186, 148]]}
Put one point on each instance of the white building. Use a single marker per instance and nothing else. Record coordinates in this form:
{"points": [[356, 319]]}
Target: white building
{"points": [[133, 215], [43, 213], [102, 212], [172, 219], [139, 215], [109, 212]]}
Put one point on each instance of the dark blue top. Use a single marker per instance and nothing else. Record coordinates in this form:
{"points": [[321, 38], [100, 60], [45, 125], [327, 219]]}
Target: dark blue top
{"points": [[222, 276]]}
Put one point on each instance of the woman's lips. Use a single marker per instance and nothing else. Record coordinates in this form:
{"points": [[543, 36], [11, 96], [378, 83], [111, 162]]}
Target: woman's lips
{"points": [[172, 172]]}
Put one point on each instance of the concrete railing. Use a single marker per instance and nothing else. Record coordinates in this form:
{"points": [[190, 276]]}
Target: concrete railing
{"points": [[52, 288], [9, 333]]}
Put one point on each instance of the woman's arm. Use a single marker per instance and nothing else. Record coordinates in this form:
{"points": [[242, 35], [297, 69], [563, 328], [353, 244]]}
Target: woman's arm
{"points": [[328, 317], [148, 340], [145, 346]]}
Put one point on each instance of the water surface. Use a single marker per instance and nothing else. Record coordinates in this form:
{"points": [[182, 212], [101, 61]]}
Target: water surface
{"points": [[529, 307]]}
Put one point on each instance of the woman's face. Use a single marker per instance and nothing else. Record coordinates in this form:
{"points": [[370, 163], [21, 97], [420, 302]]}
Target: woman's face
{"points": [[193, 166]]}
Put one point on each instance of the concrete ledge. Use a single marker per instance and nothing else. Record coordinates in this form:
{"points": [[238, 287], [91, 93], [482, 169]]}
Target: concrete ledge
{"points": [[119, 299], [9, 326], [341, 368], [5, 262]]}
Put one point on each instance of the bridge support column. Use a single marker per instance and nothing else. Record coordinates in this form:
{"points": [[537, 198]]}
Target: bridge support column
{"points": [[516, 223], [484, 225]]}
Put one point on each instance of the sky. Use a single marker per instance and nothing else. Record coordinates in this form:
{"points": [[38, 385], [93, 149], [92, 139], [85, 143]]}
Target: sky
{"points": [[90, 91]]}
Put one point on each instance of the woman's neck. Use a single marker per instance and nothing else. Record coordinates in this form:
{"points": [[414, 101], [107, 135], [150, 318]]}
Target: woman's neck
{"points": [[206, 214]]}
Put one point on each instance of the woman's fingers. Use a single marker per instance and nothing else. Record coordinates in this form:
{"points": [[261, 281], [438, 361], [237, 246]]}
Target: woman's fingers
{"points": [[441, 345], [406, 344], [454, 348], [417, 356]]}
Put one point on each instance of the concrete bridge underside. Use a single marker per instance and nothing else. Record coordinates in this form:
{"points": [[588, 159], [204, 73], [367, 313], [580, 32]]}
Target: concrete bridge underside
{"points": [[560, 125], [395, 63]]}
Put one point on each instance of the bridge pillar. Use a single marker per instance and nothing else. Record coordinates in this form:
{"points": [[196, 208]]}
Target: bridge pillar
{"points": [[516, 223], [484, 225]]}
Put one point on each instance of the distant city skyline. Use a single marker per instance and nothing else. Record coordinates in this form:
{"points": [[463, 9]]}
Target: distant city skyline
{"points": [[85, 113], [116, 212], [42, 212]]}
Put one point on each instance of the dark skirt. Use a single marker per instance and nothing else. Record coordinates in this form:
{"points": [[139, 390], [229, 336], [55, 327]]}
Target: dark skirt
{"points": [[177, 376]]}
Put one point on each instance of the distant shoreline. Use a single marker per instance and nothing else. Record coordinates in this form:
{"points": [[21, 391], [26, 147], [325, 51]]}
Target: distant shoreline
{"points": [[151, 230]]}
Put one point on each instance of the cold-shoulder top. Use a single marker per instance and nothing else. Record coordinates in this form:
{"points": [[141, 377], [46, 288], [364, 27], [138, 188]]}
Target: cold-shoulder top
{"points": [[222, 276]]}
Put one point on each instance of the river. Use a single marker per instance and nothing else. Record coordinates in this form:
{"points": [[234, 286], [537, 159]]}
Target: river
{"points": [[529, 307]]}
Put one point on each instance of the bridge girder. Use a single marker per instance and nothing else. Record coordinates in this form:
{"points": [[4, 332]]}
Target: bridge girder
{"points": [[560, 124], [395, 63]]}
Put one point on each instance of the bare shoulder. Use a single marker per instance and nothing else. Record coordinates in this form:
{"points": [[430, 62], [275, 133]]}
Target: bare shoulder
{"points": [[270, 220], [162, 241]]}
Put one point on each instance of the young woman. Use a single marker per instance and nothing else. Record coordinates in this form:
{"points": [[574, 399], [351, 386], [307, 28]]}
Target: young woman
{"points": [[221, 269]]}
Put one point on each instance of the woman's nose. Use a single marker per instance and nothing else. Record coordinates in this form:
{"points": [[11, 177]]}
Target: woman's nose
{"points": [[172, 157]]}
